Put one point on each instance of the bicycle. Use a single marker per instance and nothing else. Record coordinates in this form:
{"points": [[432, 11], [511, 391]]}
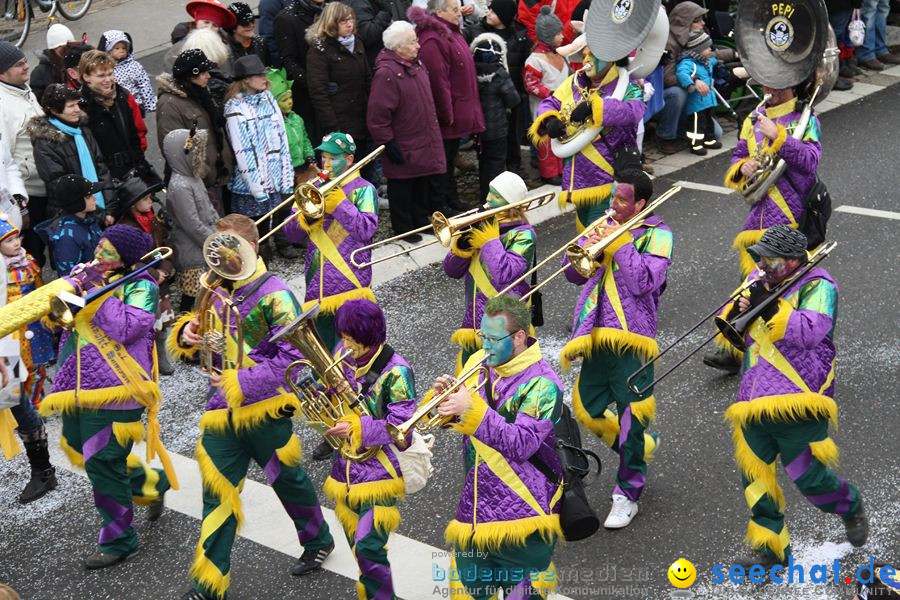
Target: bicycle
{"points": [[15, 20]]}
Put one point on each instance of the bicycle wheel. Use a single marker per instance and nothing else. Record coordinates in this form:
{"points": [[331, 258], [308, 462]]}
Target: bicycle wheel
{"points": [[73, 9], [15, 22]]}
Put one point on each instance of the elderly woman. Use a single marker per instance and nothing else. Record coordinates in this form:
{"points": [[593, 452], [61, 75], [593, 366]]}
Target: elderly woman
{"points": [[454, 87], [402, 116]]}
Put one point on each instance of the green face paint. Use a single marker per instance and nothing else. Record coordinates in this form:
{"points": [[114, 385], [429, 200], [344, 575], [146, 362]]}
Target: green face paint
{"points": [[107, 255], [496, 340], [495, 200], [335, 164]]}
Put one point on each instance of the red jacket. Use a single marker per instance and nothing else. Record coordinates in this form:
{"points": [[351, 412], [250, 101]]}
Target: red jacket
{"points": [[564, 9]]}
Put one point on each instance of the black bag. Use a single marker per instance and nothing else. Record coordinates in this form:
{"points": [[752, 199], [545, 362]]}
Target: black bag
{"points": [[817, 206], [537, 299]]}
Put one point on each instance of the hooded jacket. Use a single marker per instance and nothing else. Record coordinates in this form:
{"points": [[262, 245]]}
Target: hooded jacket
{"points": [[680, 19], [451, 70], [187, 201], [495, 90], [19, 105], [130, 74], [71, 240]]}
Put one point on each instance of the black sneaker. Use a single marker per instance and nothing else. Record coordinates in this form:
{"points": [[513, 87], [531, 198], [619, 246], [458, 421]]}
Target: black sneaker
{"points": [[102, 560], [755, 557], [311, 560], [323, 451], [40, 483], [722, 360], [195, 595], [712, 144], [698, 150], [857, 526]]}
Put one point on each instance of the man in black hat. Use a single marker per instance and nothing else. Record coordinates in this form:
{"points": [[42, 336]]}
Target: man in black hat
{"points": [[786, 398], [72, 236], [242, 39]]}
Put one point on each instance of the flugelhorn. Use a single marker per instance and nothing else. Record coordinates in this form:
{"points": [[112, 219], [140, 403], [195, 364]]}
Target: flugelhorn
{"points": [[446, 229], [426, 417]]}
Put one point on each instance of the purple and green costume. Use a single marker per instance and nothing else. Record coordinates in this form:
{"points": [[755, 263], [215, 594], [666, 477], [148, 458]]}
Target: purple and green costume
{"points": [[247, 419], [497, 256], [366, 493], [614, 332], [508, 510], [784, 202], [587, 177], [106, 379], [784, 405], [350, 222]]}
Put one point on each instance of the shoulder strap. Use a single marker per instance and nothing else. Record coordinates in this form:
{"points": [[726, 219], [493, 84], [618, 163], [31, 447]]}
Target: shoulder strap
{"points": [[253, 288], [381, 361]]}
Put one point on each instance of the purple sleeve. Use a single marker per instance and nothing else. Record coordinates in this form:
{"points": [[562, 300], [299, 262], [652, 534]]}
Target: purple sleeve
{"points": [[800, 155], [547, 104], [516, 441], [123, 322], [456, 266], [622, 113], [359, 224], [504, 266], [740, 151], [294, 233], [374, 431], [641, 273], [573, 276], [262, 380], [807, 328]]}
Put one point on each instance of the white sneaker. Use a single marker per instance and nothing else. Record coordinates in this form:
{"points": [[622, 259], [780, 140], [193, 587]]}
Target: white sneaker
{"points": [[622, 512]]}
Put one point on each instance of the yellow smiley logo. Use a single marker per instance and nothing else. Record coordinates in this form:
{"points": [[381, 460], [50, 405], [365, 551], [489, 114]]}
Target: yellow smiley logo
{"points": [[682, 573]]}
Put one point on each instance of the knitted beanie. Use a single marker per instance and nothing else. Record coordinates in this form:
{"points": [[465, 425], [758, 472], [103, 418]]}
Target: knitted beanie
{"points": [[779, 241], [547, 26], [510, 186], [505, 10], [131, 243], [699, 41], [9, 55]]}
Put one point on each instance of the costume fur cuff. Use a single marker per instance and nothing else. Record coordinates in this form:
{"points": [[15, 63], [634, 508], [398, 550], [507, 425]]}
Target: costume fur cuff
{"points": [[533, 134], [470, 421], [231, 387], [778, 323], [490, 230], [597, 109]]}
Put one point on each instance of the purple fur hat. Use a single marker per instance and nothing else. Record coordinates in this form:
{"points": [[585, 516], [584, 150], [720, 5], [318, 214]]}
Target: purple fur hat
{"points": [[363, 321]]}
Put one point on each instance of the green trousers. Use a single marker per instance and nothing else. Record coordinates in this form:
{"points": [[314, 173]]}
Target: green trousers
{"points": [[224, 458], [805, 450], [517, 570], [326, 330], [369, 545], [101, 440]]}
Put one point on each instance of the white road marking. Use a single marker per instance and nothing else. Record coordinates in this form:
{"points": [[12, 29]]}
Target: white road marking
{"points": [[705, 187], [868, 212]]}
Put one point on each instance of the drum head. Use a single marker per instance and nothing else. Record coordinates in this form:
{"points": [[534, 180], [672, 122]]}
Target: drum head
{"points": [[614, 28]]}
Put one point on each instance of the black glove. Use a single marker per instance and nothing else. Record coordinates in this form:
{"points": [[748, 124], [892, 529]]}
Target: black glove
{"points": [[554, 127], [394, 153], [758, 295], [581, 113], [464, 241], [286, 411]]}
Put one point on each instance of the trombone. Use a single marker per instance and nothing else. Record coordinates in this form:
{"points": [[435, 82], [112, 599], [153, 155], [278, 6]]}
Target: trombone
{"points": [[733, 330], [426, 417], [445, 229]]}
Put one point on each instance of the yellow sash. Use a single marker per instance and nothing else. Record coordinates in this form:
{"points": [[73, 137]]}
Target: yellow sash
{"points": [[482, 281], [767, 350], [501, 468], [773, 192], [8, 442], [331, 253], [142, 386], [609, 288]]}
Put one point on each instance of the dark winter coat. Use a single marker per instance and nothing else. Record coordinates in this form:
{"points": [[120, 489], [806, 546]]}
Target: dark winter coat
{"points": [[116, 133], [339, 82], [290, 36], [55, 155], [833, 6], [401, 108], [71, 240], [265, 26], [372, 18], [498, 95], [451, 71], [257, 46], [44, 74], [680, 19], [518, 47]]}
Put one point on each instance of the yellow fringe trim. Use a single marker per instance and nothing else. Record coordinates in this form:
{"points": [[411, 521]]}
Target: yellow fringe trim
{"points": [[733, 176], [329, 304], [723, 344], [585, 197], [362, 493], [470, 421], [214, 420], [355, 438], [644, 410], [597, 109], [742, 241], [760, 537], [783, 407], [779, 140], [455, 249], [217, 484], [291, 453], [606, 427], [466, 338], [174, 348], [65, 402], [349, 519], [826, 452], [533, 134], [253, 415], [489, 230], [231, 389], [75, 457], [207, 573], [755, 469], [128, 432], [361, 591], [493, 536], [778, 324], [607, 338]]}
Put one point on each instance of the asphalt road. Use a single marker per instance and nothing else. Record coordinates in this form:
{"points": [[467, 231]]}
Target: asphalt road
{"points": [[693, 506]]}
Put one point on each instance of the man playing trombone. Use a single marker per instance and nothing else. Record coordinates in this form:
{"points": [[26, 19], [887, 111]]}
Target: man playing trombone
{"points": [[507, 520], [490, 257], [786, 397], [614, 332]]}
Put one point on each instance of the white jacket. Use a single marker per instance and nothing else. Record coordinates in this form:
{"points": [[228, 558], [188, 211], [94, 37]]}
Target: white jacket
{"points": [[17, 106], [10, 177]]}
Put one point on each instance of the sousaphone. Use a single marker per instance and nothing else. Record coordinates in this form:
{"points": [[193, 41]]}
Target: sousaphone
{"points": [[614, 29]]}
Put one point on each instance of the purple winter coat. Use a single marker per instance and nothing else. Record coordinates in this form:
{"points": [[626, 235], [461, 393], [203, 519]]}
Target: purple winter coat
{"points": [[401, 108], [451, 70]]}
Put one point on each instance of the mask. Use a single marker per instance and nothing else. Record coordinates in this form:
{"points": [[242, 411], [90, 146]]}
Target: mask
{"points": [[107, 255], [496, 341]]}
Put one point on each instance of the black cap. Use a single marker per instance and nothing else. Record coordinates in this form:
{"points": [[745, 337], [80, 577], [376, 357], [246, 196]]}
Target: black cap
{"points": [[73, 55], [71, 190], [247, 66], [191, 62], [779, 241], [242, 12]]}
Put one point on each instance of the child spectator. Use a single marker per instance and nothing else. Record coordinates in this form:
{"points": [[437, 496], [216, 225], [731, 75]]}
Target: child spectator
{"points": [[545, 70], [130, 74], [498, 95], [695, 67], [302, 154], [23, 277], [72, 236]]}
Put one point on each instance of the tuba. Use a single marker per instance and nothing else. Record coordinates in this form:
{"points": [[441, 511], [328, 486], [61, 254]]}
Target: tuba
{"points": [[784, 45], [614, 29], [322, 408]]}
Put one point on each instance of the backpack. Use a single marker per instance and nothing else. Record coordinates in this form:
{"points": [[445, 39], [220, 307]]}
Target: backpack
{"points": [[817, 211]]}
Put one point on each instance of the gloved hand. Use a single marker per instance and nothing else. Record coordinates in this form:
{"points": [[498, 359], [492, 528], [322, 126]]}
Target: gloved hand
{"points": [[464, 241], [554, 127], [86, 277], [758, 295], [394, 153], [581, 113], [287, 411]]}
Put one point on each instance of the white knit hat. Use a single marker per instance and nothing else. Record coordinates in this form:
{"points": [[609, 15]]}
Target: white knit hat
{"points": [[58, 35], [510, 186]]}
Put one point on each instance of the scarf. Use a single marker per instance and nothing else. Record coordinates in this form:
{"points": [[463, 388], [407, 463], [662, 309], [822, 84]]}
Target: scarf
{"points": [[347, 42], [201, 96], [144, 221], [105, 100], [696, 56], [85, 158], [19, 261]]}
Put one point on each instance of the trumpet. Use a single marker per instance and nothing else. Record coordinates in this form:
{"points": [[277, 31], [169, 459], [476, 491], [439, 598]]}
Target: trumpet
{"points": [[426, 417], [733, 330], [446, 229]]}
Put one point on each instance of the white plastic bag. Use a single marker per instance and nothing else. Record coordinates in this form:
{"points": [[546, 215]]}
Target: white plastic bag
{"points": [[857, 29], [415, 462]]}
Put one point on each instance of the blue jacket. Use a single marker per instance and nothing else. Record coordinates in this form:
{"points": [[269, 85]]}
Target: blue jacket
{"points": [[689, 69], [71, 239]]}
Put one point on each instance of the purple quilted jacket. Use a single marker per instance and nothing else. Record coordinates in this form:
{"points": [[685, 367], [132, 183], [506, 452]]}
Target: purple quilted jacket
{"points": [[639, 260]]}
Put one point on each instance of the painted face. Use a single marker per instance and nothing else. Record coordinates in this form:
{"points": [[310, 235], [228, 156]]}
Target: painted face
{"points": [[496, 340], [356, 349], [334, 163], [494, 199], [107, 255], [623, 202], [776, 268], [10, 246], [286, 102], [593, 66]]}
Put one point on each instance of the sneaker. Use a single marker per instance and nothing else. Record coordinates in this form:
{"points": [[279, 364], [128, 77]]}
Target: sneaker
{"points": [[755, 557], [712, 144], [195, 595], [857, 526], [622, 512], [102, 560], [842, 85], [311, 560], [722, 360], [40, 483], [324, 450]]}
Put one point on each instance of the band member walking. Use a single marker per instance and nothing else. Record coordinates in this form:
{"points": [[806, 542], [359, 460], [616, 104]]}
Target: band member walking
{"points": [[366, 492], [106, 379], [614, 332], [507, 520], [786, 398], [492, 256], [248, 417]]}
